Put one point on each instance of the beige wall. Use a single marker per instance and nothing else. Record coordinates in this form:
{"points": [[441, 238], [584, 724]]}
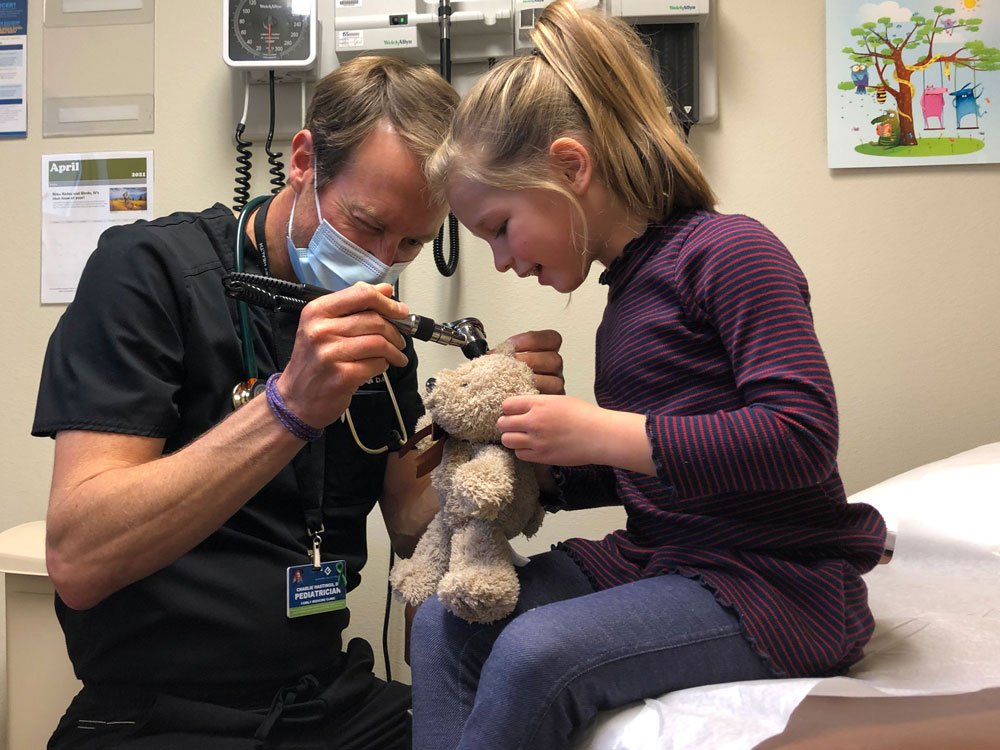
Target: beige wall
{"points": [[904, 263]]}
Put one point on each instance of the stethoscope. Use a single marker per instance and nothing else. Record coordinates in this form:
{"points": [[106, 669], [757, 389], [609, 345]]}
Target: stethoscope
{"points": [[252, 385]]}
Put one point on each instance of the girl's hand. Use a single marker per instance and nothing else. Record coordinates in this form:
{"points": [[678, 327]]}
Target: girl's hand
{"points": [[567, 431], [557, 430]]}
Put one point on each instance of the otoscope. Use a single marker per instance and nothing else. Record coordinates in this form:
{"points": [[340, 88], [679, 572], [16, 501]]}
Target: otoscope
{"points": [[278, 294], [467, 333]]}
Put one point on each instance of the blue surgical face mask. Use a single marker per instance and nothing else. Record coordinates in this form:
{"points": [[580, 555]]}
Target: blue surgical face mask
{"points": [[334, 262]]}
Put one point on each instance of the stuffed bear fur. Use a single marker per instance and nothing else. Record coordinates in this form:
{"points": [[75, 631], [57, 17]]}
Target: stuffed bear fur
{"points": [[487, 494]]}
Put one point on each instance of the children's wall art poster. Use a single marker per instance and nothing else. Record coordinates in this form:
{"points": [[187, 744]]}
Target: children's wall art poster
{"points": [[912, 83]]}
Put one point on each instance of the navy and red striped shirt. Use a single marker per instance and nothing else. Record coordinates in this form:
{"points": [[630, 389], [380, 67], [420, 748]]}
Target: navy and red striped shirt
{"points": [[708, 332]]}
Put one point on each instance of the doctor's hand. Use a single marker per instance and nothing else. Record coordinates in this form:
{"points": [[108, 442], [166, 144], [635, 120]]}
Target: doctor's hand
{"points": [[342, 341], [567, 431], [540, 351]]}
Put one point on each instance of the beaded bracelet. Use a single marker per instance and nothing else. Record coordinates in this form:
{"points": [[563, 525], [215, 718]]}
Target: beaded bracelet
{"points": [[285, 415]]}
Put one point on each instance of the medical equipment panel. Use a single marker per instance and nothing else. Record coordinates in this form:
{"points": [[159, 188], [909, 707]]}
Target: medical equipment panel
{"points": [[480, 29], [680, 36]]}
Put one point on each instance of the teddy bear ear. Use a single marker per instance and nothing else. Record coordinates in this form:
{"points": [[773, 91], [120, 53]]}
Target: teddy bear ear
{"points": [[506, 348]]}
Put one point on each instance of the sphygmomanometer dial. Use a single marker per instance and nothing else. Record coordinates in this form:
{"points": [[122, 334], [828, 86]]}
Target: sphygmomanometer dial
{"points": [[270, 33]]}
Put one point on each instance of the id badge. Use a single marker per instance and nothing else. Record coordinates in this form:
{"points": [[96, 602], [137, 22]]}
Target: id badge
{"points": [[311, 591]]}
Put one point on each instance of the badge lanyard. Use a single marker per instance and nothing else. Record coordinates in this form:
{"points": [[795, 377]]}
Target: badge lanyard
{"points": [[308, 462], [317, 586]]}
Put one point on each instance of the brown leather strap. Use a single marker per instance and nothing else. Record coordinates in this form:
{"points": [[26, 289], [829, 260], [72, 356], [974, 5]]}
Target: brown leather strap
{"points": [[415, 438], [431, 457]]}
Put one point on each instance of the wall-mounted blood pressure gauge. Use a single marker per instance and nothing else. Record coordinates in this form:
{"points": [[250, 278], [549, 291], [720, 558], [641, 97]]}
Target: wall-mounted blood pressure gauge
{"points": [[269, 34]]}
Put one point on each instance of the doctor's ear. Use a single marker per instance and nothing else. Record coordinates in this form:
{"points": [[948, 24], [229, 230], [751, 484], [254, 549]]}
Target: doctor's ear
{"points": [[572, 160], [301, 162]]}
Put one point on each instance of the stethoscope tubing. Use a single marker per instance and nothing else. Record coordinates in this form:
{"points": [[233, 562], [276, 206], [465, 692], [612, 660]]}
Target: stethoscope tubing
{"points": [[242, 308]]}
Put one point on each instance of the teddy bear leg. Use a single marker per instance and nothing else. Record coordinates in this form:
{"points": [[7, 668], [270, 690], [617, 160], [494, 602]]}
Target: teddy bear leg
{"points": [[415, 578], [481, 585]]}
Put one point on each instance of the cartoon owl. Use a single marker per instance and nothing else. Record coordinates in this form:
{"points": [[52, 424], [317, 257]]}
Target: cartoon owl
{"points": [[859, 77]]}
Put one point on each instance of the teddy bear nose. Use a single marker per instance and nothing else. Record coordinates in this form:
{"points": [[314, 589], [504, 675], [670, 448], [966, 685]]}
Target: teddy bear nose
{"points": [[431, 382]]}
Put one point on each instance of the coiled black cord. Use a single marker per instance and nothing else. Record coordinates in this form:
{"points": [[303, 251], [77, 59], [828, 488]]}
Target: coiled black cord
{"points": [[277, 170], [447, 267], [241, 193], [288, 289], [244, 157], [241, 286]]}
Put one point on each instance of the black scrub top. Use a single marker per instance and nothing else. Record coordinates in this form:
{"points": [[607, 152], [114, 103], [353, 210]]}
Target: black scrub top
{"points": [[150, 347]]}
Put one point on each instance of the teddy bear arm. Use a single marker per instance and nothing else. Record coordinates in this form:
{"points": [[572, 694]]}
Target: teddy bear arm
{"points": [[484, 485], [527, 499], [534, 522]]}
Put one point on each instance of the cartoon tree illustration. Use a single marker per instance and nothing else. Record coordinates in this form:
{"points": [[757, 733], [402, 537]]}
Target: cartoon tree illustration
{"points": [[882, 46]]}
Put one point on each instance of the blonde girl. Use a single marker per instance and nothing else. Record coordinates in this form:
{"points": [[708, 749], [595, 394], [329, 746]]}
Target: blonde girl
{"points": [[715, 424]]}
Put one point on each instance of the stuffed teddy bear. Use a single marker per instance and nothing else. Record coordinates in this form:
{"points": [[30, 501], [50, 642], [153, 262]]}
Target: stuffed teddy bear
{"points": [[487, 494]]}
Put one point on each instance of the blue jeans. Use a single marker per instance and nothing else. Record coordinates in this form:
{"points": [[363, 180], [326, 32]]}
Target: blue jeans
{"points": [[566, 652]]}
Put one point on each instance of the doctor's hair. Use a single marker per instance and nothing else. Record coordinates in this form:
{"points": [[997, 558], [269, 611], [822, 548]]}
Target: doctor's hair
{"points": [[349, 103], [591, 78]]}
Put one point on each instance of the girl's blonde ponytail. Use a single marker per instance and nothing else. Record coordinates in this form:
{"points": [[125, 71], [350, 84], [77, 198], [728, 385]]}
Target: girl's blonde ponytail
{"points": [[592, 79]]}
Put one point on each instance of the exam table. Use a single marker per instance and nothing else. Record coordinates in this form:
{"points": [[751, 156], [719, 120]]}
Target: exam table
{"points": [[40, 680], [930, 677]]}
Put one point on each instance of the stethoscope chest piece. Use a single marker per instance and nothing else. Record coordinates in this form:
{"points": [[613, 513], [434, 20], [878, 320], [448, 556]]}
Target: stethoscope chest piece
{"points": [[246, 390]]}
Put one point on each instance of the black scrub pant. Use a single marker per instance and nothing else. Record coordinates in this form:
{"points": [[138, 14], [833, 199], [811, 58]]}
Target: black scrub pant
{"points": [[355, 711]]}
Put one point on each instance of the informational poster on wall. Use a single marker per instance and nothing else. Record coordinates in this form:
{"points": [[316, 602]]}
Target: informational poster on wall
{"points": [[13, 68], [83, 195], [912, 83]]}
